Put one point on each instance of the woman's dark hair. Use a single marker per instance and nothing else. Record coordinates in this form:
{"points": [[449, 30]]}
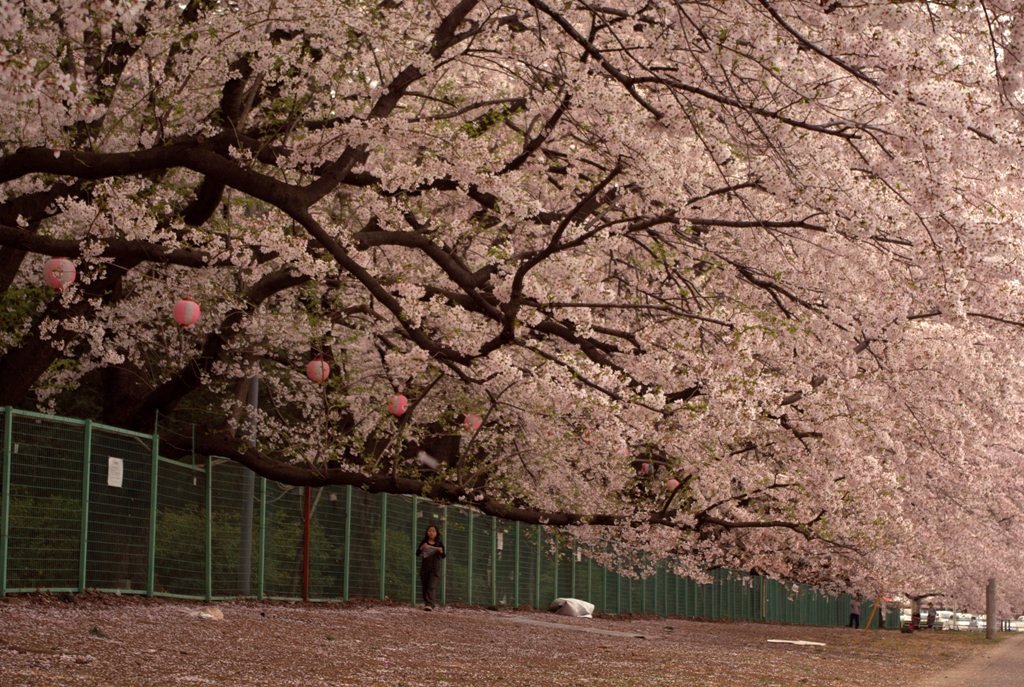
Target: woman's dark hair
{"points": [[436, 529]]}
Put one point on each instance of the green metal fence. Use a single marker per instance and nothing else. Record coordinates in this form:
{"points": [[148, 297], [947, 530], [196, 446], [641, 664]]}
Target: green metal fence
{"points": [[87, 506]]}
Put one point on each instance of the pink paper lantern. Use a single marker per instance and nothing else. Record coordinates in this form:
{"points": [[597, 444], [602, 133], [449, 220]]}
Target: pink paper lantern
{"points": [[186, 312], [318, 371], [472, 422], [59, 273], [672, 484], [398, 404]]}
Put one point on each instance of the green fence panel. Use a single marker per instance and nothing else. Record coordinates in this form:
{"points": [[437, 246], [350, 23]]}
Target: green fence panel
{"points": [[564, 561], [528, 566], [398, 580], [458, 549], [547, 578], [505, 550], [649, 594], [285, 510], [327, 543], [482, 572], [180, 529], [44, 540], [119, 494], [364, 545], [234, 497]]}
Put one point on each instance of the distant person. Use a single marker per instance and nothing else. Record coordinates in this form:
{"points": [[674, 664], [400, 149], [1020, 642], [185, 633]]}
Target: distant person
{"points": [[430, 551], [973, 625], [854, 613], [931, 616]]}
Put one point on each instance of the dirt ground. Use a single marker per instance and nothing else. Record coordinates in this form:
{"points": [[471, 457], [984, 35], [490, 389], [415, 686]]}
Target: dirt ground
{"points": [[120, 641]]}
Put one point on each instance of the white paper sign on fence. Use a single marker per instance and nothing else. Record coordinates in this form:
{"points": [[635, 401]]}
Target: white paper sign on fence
{"points": [[115, 472]]}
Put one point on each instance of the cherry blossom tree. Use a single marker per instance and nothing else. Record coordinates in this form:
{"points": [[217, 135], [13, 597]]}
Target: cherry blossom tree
{"points": [[732, 284]]}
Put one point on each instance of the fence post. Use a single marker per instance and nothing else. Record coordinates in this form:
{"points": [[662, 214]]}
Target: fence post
{"points": [[86, 478], [415, 542], [209, 528], [383, 542], [261, 562], [347, 556], [5, 495], [515, 574], [494, 561], [469, 568], [154, 474]]}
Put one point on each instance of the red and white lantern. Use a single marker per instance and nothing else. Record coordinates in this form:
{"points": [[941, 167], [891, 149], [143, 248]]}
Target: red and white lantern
{"points": [[398, 404], [186, 312], [472, 422], [59, 273], [318, 371], [672, 484]]}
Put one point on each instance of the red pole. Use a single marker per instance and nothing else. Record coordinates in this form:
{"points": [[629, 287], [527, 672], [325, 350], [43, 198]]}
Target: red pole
{"points": [[305, 550]]}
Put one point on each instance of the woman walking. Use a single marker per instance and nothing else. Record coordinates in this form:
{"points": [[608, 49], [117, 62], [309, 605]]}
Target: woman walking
{"points": [[430, 551]]}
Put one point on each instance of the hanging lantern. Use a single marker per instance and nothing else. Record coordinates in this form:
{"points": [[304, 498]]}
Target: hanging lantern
{"points": [[59, 273], [186, 312], [398, 404], [318, 371], [672, 484], [646, 469], [472, 422]]}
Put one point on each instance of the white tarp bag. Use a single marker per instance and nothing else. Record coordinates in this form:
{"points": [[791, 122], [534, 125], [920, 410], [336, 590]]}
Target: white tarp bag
{"points": [[572, 607]]}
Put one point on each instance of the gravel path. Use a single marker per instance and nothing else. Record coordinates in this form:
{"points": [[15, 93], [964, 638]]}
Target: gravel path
{"points": [[110, 641], [999, 666]]}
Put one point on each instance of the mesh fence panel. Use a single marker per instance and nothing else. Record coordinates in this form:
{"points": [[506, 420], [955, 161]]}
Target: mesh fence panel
{"points": [[458, 563], [505, 548], [482, 571], [327, 543], [564, 561], [364, 544], [649, 594], [233, 499], [401, 566], [528, 566], [45, 529], [285, 537], [119, 494], [180, 529]]}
